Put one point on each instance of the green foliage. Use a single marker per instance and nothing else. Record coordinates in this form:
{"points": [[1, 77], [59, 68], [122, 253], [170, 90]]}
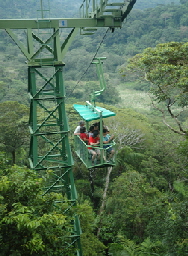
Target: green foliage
{"points": [[28, 9], [84, 90], [165, 66], [168, 23], [144, 220], [137, 200], [30, 223], [90, 244], [181, 187], [183, 147], [131, 128], [170, 224], [183, 2], [164, 163], [139, 85], [126, 247], [146, 212], [110, 96], [152, 3], [127, 159], [13, 128]]}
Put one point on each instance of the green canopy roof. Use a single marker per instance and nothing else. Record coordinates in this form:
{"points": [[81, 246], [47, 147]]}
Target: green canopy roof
{"points": [[88, 113]]}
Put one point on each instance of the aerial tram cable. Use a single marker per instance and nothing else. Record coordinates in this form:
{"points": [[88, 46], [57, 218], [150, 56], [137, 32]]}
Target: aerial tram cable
{"points": [[102, 155], [98, 48]]}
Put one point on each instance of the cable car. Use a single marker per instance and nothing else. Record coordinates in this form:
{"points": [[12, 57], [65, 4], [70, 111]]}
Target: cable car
{"points": [[91, 113]]}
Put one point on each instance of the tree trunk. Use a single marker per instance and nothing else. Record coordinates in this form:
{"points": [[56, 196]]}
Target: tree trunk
{"points": [[104, 199], [13, 157], [91, 183]]}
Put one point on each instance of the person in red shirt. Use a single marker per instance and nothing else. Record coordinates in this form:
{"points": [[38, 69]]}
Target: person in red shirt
{"points": [[83, 135], [94, 141]]}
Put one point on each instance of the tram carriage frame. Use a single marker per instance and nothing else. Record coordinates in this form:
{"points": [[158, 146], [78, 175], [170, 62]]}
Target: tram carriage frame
{"points": [[90, 113]]}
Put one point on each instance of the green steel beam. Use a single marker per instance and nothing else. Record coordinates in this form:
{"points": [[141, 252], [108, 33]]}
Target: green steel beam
{"points": [[45, 44], [91, 15], [126, 9], [30, 45], [65, 46], [59, 23], [98, 61], [41, 42], [22, 47], [33, 56]]}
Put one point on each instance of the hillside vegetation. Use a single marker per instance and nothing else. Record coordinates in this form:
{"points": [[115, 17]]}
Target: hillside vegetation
{"points": [[141, 207], [143, 28]]}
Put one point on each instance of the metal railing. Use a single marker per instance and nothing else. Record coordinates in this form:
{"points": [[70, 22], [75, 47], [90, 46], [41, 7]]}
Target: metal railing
{"points": [[91, 8], [81, 149]]}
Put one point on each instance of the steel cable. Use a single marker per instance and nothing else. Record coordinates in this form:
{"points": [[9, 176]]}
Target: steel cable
{"points": [[89, 63]]}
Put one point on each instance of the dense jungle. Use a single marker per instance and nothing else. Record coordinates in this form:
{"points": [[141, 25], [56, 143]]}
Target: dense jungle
{"points": [[141, 207]]}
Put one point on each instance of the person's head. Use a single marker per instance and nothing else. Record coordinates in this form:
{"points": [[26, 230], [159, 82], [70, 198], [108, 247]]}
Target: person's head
{"points": [[96, 126], [95, 133], [91, 128], [81, 123], [82, 129], [105, 131]]}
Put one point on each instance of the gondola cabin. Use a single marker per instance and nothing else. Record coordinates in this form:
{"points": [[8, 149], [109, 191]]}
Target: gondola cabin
{"points": [[91, 114]]}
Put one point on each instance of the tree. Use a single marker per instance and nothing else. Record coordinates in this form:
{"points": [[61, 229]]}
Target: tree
{"points": [[90, 243], [30, 224], [130, 128], [166, 67], [35, 224], [141, 220], [136, 198], [183, 1], [13, 127]]}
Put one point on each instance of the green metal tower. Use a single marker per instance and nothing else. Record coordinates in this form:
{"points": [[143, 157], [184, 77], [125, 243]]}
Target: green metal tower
{"points": [[44, 51]]}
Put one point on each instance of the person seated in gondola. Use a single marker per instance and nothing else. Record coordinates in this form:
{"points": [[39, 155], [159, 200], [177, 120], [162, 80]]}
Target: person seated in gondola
{"points": [[97, 125], [77, 130], [91, 129], [106, 140], [83, 135], [94, 141]]}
